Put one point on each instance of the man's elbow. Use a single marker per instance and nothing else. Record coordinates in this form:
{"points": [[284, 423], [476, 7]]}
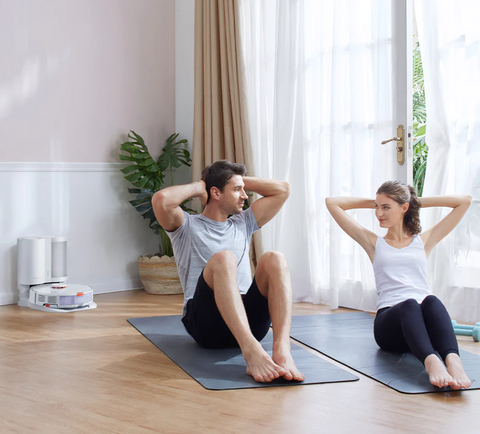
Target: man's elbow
{"points": [[158, 197], [159, 201]]}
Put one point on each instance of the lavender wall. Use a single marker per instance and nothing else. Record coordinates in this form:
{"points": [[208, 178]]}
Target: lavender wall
{"points": [[76, 75]]}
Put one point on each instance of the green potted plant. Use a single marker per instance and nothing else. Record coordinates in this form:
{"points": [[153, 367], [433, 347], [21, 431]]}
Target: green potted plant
{"points": [[158, 272], [420, 148]]}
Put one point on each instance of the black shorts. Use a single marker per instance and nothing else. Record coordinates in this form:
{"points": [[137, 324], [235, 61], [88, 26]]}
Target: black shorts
{"points": [[205, 324]]}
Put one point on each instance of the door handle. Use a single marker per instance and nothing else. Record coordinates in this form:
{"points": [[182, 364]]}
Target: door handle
{"points": [[400, 139], [397, 139]]}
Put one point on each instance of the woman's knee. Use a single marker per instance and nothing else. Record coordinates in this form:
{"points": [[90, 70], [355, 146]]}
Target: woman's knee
{"points": [[388, 333], [432, 305], [410, 303], [431, 300], [409, 306]]}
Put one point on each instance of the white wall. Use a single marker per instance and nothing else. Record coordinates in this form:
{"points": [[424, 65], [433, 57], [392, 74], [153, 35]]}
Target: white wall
{"points": [[77, 75], [184, 77]]}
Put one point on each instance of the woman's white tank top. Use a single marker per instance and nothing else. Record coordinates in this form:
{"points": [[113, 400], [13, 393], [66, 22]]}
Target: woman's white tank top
{"points": [[400, 274]]}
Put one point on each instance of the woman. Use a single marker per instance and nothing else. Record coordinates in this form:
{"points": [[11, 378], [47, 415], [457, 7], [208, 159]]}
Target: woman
{"points": [[408, 317]]}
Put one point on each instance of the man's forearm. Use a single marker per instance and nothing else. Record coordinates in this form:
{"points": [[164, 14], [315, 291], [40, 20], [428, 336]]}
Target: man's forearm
{"points": [[172, 197], [266, 187]]}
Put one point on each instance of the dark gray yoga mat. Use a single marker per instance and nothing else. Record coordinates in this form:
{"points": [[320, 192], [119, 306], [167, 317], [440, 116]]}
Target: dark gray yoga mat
{"points": [[225, 369], [348, 339]]}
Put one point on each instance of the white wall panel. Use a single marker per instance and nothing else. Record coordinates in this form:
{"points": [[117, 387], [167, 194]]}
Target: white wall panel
{"points": [[88, 203]]}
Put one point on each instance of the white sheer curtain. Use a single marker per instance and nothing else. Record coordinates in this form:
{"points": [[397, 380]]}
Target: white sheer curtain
{"points": [[449, 36], [320, 90]]}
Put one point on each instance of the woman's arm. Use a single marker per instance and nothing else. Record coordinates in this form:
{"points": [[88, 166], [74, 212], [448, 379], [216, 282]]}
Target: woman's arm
{"points": [[337, 207], [460, 205]]}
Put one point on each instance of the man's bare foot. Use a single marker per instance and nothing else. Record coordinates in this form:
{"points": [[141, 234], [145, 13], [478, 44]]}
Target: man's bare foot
{"points": [[437, 372], [455, 369], [283, 357], [260, 365]]}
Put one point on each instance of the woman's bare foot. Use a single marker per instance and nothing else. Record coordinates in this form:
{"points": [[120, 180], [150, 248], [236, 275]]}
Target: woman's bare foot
{"points": [[437, 372], [455, 369], [260, 365], [282, 356]]}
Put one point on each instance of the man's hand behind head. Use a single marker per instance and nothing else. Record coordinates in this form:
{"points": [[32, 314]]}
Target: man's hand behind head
{"points": [[204, 196]]}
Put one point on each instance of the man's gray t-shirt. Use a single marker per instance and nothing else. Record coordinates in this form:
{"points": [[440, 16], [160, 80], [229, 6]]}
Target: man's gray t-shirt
{"points": [[199, 238]]}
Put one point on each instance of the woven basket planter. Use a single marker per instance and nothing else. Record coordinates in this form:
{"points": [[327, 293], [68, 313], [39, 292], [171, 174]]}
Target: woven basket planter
{"points": [[159, 275]]}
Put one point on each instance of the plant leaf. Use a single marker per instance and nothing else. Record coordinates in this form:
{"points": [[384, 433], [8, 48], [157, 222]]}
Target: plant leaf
{"points": [[128, 169]]}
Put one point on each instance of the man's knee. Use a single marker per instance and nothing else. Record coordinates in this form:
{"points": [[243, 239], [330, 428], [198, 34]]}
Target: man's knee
{"points": [[271, 265], [274, 259], [223, 259], [221, 262]]}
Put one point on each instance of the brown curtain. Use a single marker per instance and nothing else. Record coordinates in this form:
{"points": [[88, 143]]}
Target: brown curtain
{"points": [[221, 128]]}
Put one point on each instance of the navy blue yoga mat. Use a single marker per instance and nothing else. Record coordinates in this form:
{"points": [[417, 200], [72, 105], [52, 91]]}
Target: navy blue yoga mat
{"points": [[348, 339], [225, 369]]}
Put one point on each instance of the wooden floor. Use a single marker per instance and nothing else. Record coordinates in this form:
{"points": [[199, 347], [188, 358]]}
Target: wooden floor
{"points": [[91, 372]]}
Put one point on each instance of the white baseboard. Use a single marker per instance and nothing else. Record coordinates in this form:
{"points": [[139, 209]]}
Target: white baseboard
{"points": [[121, 285], [8, 298]]}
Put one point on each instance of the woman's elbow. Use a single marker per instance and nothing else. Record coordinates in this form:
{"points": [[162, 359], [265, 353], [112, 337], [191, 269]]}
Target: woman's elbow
{"points": [[329, 201], [463, 200]]}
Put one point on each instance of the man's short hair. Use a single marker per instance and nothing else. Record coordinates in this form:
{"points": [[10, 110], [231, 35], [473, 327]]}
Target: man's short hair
{"points": [[219, 173]]}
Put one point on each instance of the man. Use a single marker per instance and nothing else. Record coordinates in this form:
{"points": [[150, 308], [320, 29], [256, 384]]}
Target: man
{"points": [[222, 306]]}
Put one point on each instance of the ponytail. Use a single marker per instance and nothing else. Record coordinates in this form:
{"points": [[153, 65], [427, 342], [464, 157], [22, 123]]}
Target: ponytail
{"points": [[411, 219]]}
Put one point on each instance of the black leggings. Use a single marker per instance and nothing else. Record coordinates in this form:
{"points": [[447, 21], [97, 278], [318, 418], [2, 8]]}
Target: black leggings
{"points": [[420, 328]]}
